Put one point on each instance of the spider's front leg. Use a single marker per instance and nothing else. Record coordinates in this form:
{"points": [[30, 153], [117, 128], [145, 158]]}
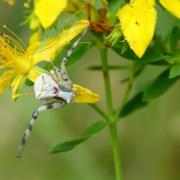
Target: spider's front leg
{"points": [[35, 115], [63, 72]]}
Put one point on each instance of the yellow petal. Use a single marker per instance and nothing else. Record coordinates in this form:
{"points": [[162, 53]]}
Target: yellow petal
{"points": [[56, 44], [34, 42], [5, 80], [15, 85], [83, 95], [150, 2], [173, 6], [34, 73], [48, 10], [34, 23], [34, 38], [138, 20]]}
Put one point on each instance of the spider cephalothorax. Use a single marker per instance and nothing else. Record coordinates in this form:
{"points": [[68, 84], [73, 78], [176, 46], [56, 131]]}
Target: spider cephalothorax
{"points": [[58, 86], [47, 87]]}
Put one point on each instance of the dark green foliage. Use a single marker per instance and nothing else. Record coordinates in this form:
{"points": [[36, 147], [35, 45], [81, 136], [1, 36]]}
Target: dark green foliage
{"points": [[96, 127], [152, 55], [82, 48], [161, 84], [174, 71], [113, 6], [110, 67], [174, 40], [134, 104], [66, 146]]}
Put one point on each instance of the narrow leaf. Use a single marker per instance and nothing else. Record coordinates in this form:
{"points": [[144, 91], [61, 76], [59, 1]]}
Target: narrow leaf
{"points": [[95, 128], [151, 55], [159, 86], [134, 104], [68, 145], [110, 67], [82, 48], [79, 52]]}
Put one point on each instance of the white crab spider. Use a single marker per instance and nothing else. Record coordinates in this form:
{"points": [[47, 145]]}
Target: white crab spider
{"points": [[47, 87], [57, 85]]}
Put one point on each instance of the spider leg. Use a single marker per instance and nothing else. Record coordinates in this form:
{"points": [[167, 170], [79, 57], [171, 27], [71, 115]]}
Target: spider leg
{"points": [[63, 71], [35, 115]]}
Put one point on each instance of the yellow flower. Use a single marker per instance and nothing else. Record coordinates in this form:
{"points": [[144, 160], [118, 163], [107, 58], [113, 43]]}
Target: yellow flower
{"points": [[47, 11], [138, 20], [19, 64]]}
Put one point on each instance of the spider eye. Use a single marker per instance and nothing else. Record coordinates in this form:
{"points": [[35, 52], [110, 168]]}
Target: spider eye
{"points": [[55, 90], [45, 87]]}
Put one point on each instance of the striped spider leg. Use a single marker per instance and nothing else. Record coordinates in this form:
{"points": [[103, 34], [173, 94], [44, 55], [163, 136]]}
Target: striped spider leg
{"points": [[56, 85], [35, 115], [62, 71]]}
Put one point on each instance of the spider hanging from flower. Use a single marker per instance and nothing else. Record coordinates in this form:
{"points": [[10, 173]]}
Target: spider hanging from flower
{"points": [[55, 85]]}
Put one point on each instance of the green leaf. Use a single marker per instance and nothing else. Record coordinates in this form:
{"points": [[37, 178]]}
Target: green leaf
{"points": [[159, 86], [174, 40], [128, 54], [95, 128], [29, 83], [152, 54], [114, 6], [110, 67], [124, 48], [134, 104], [82, 48], [173, 59], [79, 52], [98, 4], [68, 145], [174, 71]]}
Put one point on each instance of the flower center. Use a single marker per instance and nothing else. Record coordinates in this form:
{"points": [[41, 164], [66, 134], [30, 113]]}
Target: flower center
{"points": [[23, 64]]}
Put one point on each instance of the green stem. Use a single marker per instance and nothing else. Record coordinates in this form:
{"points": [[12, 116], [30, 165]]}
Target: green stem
{"points": [[116, 149], [109, 103], [99, 111], [107, 85], [127, 91]]}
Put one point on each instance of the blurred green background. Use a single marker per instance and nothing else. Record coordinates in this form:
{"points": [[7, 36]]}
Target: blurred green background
{"points": [[149, 138]]}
